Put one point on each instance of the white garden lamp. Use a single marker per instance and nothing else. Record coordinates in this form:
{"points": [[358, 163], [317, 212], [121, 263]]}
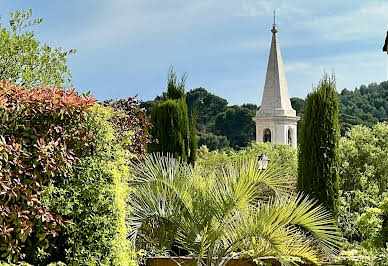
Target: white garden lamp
{"points": [[263, 161]]}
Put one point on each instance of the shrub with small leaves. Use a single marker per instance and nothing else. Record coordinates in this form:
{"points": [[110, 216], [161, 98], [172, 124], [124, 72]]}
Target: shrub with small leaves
{"points": [[93, 198]]}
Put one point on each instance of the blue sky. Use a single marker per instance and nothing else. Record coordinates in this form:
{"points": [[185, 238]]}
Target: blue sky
{"points": [[125, 47]]}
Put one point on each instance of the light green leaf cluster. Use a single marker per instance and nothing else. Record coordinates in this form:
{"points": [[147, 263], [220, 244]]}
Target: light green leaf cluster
{"points": [[25, 61], [282, 155], [94, 199], [364, 186]]}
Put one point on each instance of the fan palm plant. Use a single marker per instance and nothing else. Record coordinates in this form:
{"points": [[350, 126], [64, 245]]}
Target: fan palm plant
{"points": [[239, 211]]}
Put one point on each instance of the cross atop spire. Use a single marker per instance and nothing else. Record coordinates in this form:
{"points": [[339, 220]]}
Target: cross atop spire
{"points": [[274, 30], [274, 19]]}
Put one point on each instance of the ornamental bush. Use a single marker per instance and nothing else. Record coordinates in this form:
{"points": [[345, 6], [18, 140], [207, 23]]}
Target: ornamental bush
{"points": [[41, 140], [94, 199], [63, 179]]}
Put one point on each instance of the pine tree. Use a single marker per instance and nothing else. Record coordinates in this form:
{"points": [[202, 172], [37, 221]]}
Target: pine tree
{"points": [[318, 170]]}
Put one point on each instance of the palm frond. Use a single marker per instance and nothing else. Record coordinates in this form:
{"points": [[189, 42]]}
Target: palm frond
{"points": [[224, 214]]}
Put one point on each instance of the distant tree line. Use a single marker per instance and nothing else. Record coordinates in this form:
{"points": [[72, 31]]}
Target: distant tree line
{"points": [[366, 106], [220, 126]]}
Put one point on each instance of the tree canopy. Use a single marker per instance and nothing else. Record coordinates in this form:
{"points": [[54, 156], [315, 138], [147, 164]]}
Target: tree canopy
{"points": [[237, 125], [207, 106], [366, 105], [172, 130], [25, 61]]}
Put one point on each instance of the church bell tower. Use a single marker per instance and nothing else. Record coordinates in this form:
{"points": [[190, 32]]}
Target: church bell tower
{"points": [[275, 119]]}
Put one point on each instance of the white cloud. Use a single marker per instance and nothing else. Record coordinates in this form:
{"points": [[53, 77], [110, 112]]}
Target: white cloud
{"points": [[367, 21], [351, 70]]}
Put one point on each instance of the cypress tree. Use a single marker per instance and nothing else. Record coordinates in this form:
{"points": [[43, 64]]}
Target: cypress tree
{"points": [[318, 171], [193, 137], [171, 127], [175, 88]]}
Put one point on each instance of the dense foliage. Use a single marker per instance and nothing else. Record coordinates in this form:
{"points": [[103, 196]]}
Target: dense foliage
{"points": [[298, 105], [318, 158], [171, 125], [219, 126], [64, 174], [93, 198], [25, 61], [130, 117], [283, 155], [207, 106], [212, 141], [363, 216], [217, 216], [366, 105], [41, 139], [193, 138], [170, 128], [237, 125]]}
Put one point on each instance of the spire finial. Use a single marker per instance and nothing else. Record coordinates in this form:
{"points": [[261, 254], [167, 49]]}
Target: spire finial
{"points": [[274, 18], [274, 30]]}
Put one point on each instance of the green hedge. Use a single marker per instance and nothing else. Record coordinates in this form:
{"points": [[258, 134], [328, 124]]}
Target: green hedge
{"points": [[93, 199]]}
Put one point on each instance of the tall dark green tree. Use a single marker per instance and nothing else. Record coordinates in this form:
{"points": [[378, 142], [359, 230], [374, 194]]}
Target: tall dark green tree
{"points": [[193, 137], [175, 87], [170, 128], [318, 171], [170, 120]]}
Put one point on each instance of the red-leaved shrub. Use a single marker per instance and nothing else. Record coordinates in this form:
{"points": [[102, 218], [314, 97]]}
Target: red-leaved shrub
{"points": [[134, 120], [41, 137]]}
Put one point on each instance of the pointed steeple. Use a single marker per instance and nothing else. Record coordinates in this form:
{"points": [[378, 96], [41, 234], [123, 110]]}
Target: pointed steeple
{"points": [[275, 101]]}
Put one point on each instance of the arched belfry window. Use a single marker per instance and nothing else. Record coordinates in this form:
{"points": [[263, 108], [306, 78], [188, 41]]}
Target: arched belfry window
{"points": [[289, 136], [267, 135]]}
